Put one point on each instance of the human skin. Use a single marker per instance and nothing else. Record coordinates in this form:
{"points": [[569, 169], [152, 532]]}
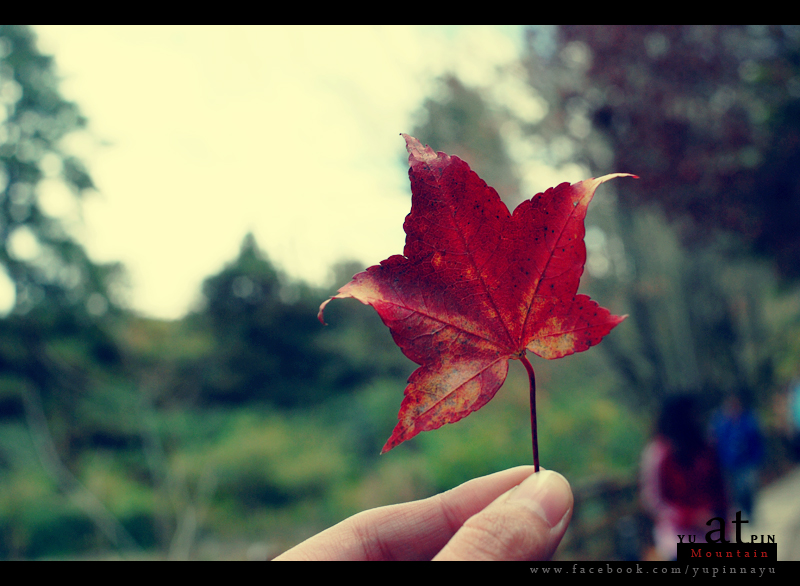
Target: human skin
{"points": [[515, 514]]}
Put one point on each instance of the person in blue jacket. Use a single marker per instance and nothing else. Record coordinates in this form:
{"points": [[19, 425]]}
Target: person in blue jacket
{"points": [[740, 446]]}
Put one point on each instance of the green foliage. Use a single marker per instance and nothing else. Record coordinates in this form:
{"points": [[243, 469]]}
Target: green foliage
{"points": [[270, 460], [263, 329], [268, 345]]}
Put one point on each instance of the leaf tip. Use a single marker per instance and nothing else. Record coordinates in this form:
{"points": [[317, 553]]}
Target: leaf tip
{"points": [[416, 152], [615, 320], [321, 309], [605, 178], [390, 444]]}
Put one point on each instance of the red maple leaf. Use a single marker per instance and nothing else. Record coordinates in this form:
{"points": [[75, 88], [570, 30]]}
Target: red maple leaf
{"points": [[477, 285]]}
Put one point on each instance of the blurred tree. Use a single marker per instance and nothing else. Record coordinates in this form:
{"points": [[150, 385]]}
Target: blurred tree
{"points": [[52, 275], [269, 345], [56, 327], [707, 116]]}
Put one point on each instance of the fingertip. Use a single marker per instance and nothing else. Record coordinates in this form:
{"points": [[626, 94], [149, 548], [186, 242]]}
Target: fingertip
{"points": [[547, 493], [526, 523]]}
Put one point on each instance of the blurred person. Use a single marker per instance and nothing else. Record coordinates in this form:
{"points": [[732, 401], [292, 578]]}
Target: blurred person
{"points": [[681, 480], [511, 515], [740, 447]]}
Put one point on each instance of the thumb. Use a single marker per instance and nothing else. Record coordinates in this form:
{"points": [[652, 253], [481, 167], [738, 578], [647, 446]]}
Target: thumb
{"points": [[525, 523]]}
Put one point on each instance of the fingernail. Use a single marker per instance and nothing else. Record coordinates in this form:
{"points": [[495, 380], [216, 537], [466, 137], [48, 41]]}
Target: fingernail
{"points": [[547, 493]]}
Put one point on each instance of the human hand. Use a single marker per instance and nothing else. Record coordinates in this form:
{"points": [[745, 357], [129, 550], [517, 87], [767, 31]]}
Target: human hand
{"points": [[511, 515]]}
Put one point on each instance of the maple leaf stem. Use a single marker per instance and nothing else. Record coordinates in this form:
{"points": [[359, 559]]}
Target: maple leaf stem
{"points": [[534, 437]]}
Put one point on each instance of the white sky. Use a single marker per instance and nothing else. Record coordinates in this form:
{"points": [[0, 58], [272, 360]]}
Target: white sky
{"points": [[200, 134]]}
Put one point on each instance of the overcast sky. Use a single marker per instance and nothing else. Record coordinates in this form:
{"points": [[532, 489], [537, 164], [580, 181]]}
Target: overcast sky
{"points": [[201, 134]]}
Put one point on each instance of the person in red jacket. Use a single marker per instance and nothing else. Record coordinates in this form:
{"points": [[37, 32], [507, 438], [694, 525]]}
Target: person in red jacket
{"points": [[681, 480]]}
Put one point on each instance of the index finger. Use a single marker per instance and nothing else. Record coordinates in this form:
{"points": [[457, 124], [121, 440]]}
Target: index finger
{"points": [[409, 531]]}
